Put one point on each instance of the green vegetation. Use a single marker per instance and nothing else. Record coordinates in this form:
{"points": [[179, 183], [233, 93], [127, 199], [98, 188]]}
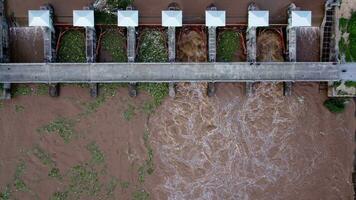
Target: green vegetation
{"points": [[97, 156], [140, 195], [158, 91], [116, 4], [335, 105], [107, 90], [83, 181], [43, 156], [102, 17], [21, 90], [59, 196], [152, 47], [147, 167], [348, 47], [55, 173], [114, 43], [72, 47], [19, 184], [62, 126], [228, 44], [129, 112], [5, 194], [125, 184], [350, 84], [42, 89], [19, 108]]}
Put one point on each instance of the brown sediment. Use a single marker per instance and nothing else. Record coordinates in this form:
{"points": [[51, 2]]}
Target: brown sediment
{"points": [[120, 140], [191, 45], [270, 45]]}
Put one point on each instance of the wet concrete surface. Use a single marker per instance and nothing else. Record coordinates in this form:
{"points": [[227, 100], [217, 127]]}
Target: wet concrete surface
{"points": [[193, 11]]}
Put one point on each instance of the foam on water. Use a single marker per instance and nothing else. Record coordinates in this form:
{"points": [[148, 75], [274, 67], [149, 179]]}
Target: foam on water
{"points": [[233, 149]]}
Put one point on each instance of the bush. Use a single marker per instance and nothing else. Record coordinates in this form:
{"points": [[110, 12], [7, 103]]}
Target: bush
{"points": [[227, 46], [335, 105], [152, 47], [72, 47], [116, 4], [350, 84], [114, 43], [102, 17]]}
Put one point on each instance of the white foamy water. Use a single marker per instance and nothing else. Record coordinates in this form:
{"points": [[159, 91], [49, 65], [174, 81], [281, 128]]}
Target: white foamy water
{"points": [[236, 148]]}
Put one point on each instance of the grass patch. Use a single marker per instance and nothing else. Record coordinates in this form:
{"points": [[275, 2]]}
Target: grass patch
{"points": [[62, 126], [125, 184], [21, 90], [55, 173], [159, 91], [114, 43], [43, 156], [350, 84], [19, 184], [72, 47], [141, 195], [348, 48], [111, 186], [42, 89], [152, 47], [228, 44], [6, 193], [102, 17], [148, 166], [106, 90], [83, 181], [129, 112], [335, 105], [97, 156], [19, 108], [59, 196]]}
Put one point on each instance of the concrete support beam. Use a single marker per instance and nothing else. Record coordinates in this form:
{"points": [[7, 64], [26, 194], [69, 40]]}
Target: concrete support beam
{"points": [[49, 48], [291, 47], [172, 55], [4, 48], [251, 43], [131, 56]]}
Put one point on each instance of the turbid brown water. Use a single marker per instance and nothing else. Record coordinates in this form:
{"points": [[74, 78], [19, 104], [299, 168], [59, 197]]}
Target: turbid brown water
{"points": [[26, 44], [308, 44], [266, 146], [191, 45], [270, 46]]}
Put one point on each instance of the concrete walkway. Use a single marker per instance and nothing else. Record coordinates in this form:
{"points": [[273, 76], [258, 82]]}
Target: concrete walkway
{"points": [[169, 72]]}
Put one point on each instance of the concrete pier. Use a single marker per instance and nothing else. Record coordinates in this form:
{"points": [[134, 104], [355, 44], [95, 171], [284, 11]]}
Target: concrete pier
{"points": [[251, 44], [291, 47], [4, 48], [172, 55]]}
